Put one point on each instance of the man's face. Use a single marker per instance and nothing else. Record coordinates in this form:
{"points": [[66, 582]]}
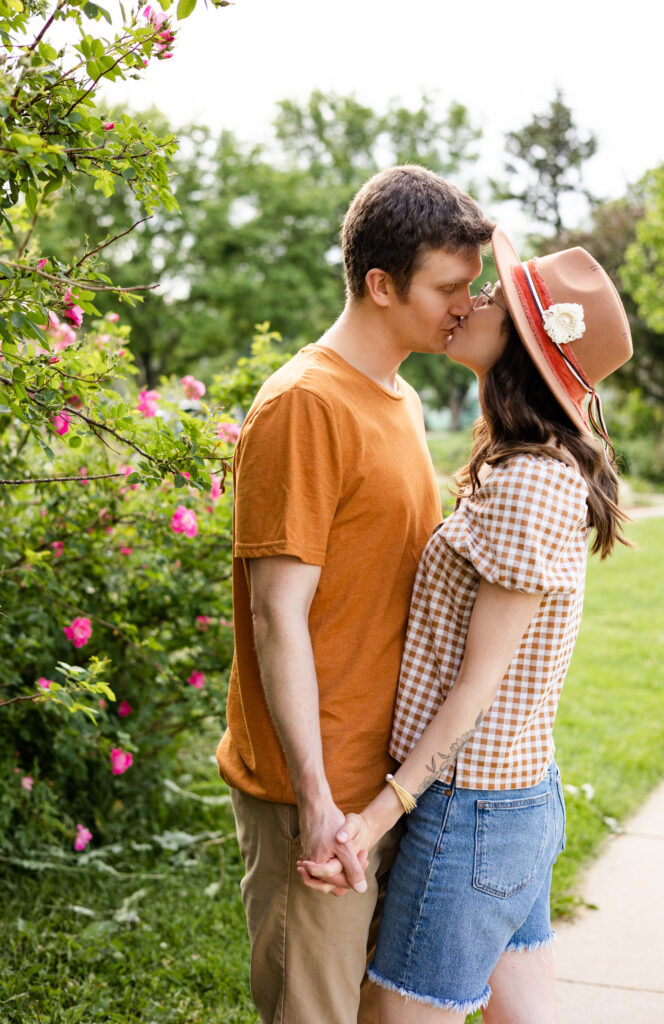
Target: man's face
{"points": [[439, 294]]}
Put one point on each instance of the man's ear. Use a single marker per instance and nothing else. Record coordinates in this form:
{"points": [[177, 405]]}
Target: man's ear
{"points": [[379, 286]]}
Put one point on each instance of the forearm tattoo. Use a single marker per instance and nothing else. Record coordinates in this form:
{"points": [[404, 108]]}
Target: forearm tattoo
{"points": [[436, 769]]}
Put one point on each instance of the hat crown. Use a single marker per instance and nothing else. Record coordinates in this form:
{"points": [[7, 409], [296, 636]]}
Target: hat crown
{"points": [[573, 275]]}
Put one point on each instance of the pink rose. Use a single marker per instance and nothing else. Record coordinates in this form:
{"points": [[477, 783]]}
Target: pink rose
{"points": [[60, 423], [147, 403], [215, 489], [42, 263], [79, 632], [83, 472], [125, 551], [203, 623], [184, 521], [108, 126], [193, 388], [26, 782], [124, 709], [57, 546], [43, 683], [228, 432], [121, 760], [227, 622], [74, 314], [197, 680], [101, 703], [113, 317], [83, 837]]}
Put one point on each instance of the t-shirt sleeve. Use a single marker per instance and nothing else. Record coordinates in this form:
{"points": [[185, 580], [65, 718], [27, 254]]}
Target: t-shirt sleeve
{"points": [[524, 527], [287, 479]]}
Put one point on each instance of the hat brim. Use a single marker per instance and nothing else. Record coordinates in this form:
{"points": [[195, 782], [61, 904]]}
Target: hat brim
{"points": [[506, 257]]}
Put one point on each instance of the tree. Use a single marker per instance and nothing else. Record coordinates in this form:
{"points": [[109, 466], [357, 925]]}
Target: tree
{"points": [[156, 249], [547, 157], [643, 270], [99, 483]]}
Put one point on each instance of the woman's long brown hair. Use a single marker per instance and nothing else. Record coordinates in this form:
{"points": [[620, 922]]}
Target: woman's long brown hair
{"points": [[520, 415]]}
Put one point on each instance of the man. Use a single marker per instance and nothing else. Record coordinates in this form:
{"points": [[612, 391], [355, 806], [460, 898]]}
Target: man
{"points": [[335, 497]]}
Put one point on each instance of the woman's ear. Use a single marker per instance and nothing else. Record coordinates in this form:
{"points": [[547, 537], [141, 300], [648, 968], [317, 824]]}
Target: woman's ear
{"points": [[379, 286]]}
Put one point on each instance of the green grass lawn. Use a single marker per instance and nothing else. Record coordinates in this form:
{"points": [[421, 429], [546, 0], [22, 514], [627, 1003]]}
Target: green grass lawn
{"points": [[90, 947]]}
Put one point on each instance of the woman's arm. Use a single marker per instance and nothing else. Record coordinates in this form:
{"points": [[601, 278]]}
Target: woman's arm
{"points": [[498, 621]]}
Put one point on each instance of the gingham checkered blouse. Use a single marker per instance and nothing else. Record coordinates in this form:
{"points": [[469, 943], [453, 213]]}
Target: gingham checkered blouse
{"points": [[526, 529]]}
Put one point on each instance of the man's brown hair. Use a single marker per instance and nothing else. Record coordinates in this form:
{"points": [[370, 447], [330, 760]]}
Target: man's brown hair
{"points": [[397, 216]]}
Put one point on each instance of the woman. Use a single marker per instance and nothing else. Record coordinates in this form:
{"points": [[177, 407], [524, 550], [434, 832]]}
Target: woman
{"points": [[494, 617]]}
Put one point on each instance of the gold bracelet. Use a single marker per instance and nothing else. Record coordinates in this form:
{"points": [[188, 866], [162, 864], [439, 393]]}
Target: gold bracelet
{"points": [[406, 799]]}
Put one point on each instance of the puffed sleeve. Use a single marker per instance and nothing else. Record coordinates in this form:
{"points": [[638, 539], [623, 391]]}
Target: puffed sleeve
{"points": [[525, 527]]}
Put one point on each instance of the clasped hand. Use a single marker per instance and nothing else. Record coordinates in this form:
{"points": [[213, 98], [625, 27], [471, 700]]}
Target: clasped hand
{"points": [[338, 873]]}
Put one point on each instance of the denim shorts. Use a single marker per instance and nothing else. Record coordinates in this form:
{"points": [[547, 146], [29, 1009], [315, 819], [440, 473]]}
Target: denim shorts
{"points": [[471, 881]]}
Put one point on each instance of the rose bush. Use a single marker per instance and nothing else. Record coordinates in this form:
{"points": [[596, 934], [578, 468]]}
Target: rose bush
{"points": [[115, 532]]}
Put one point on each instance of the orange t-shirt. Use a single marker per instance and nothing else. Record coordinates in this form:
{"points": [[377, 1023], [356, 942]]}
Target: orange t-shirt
{"points": [[332, 468]]}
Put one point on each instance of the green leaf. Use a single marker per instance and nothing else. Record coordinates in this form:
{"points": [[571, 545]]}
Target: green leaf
{"points": [[185, 7], [31, 200], [48, 52], [53, 185], [75, 441], [19, 373]]}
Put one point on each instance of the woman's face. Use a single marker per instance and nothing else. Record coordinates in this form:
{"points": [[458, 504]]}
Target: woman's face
{"points": [[479, 340]]}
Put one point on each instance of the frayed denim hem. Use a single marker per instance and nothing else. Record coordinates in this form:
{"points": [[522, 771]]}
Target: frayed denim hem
{"points": [[469, 1006], [530, 947]]}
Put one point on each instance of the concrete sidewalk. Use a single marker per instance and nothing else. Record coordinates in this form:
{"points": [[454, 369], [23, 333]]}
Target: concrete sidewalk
{"points": [[610, 961]]}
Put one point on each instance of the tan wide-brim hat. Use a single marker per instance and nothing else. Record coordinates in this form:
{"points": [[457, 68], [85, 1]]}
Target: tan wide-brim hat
{"points": [[571, 320]]}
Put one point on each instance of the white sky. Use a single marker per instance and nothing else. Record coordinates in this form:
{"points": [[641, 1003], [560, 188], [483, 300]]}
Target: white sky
{"points": [[503, 61]]}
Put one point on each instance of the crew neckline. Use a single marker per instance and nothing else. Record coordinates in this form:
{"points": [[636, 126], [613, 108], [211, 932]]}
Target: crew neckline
{"points": [[396, 396]]}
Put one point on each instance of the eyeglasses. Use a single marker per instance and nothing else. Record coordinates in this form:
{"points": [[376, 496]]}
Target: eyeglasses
{"points": [[485, 293]]}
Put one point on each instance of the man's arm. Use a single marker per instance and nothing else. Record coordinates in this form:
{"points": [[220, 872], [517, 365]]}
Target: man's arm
{"points": [[282, 589]]}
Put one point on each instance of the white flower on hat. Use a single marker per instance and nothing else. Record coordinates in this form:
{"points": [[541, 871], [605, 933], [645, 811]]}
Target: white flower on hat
{"points": [[563, 322]]}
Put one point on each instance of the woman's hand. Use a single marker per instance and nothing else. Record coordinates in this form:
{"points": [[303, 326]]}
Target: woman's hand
{"points": [[328, 876]]}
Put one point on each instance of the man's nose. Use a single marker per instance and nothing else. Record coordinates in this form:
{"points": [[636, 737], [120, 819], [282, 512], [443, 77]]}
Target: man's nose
{"points": [[463, 304]]}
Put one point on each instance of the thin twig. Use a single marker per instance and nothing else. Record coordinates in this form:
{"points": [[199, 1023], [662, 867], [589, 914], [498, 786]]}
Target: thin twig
{"points": [[57, 479], [47, 24], [13, 700], [105, 244], [76, 282], [28, 234]]}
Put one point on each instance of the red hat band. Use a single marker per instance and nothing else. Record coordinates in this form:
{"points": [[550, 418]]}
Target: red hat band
{"points": [[535, 298]]}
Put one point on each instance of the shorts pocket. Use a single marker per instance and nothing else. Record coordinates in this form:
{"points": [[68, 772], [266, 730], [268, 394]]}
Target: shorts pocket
{"points": [[510, 838]]}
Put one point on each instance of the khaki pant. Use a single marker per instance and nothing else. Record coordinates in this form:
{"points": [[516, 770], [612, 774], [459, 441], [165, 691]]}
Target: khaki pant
{"points": [[309, 950]]}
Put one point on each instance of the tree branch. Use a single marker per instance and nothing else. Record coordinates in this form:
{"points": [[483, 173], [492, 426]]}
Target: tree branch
{"points": [[57, 479], [110, 242]]}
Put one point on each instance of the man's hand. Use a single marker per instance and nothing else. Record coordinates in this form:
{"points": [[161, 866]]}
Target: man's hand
{"points": [[330, 874], [320, 828]]}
